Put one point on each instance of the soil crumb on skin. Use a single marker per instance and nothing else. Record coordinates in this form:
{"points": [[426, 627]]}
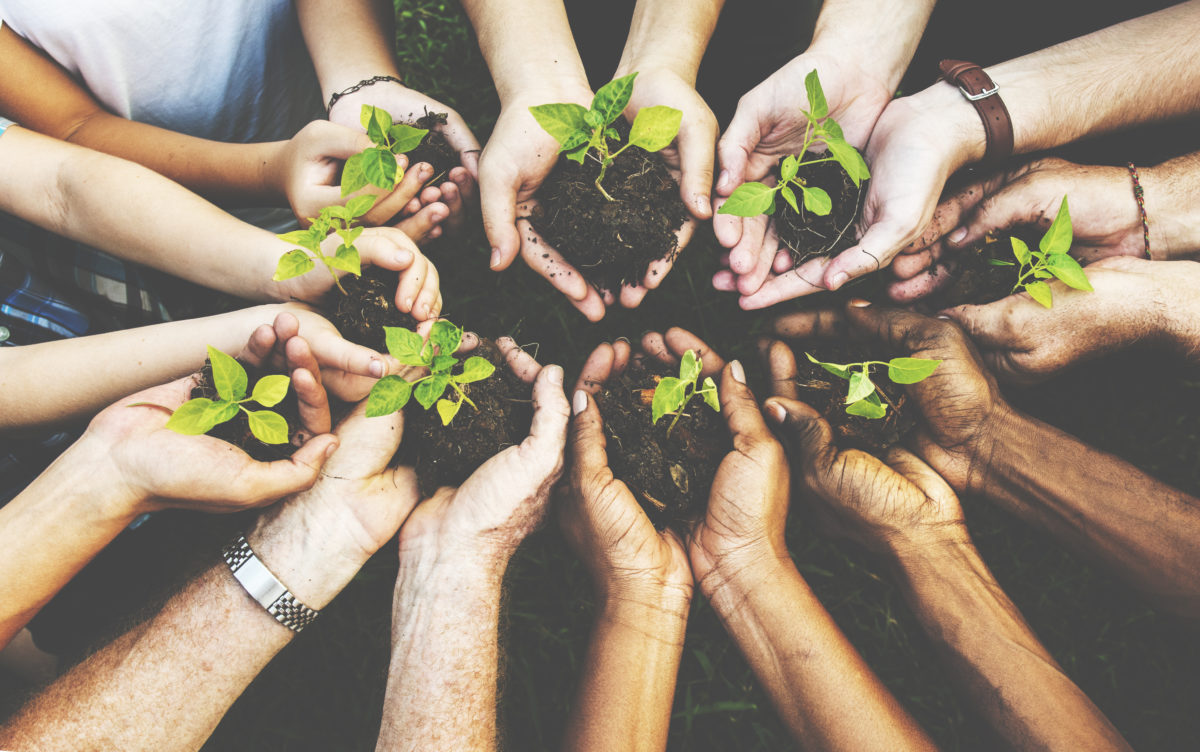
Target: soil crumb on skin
{"points": [[433, 149], [447, 455], [670, 476], [237, 430], [612, 242], [826, 393], [974, 279], [808, 235], [368, 305]]}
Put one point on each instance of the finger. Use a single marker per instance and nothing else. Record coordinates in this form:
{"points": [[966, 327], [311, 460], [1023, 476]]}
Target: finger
{"points": [[874, 251], [312, 401], [743, 256], [260, 347], [654, 345], [725, 281], [783, 261], [498, 203], [825, 323], [411, 281], [909, 265], [470, 340], [543, 259], [658, 269], [621, 353], [922, 476], [331, 351], [809, 436], [592, 306], [260, 483], [781, 365], [596, 369], [905, 332], [695, 141], [736, 145], [588, 455], [421, 226], [387, 203], [368, 444], [740, 410], [632, 295], [386, 248], [992, 326], [548, 431], [465, 181], [679, 341], [428, 294], [1015, 204], [805, 279], [459, 137], [519, 362], [726, 227], [906, 291]]}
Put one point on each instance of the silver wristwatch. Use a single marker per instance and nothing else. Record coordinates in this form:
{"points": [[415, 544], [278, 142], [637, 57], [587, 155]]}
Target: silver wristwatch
{"points": [[265, 587]]}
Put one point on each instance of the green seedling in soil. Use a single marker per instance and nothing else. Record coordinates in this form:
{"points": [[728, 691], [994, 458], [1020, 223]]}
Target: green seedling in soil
{"points": [[584, 132], [863, 398], [672, 395], [336, 219], [201, 415], [392, 393], [1051, 259], [751, 199], [376, 165]]}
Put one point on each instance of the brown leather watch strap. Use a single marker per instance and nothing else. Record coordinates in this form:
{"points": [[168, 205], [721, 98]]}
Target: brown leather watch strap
{"points": [[979, 89]]}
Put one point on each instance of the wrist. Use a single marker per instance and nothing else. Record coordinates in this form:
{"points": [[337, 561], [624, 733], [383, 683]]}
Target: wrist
{"points": [[917, 545], [949, 119], [733, 578], [1172, 289], [1173, 232], [272, 170], [996, 451], [91, 483], [649, 597], [347, 107], [523, 92]]}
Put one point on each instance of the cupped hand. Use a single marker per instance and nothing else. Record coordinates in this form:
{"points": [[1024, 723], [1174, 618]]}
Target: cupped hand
{"points": [[1104, 218], [507, 497], [878, 503], [767, 126], [960, 404]]}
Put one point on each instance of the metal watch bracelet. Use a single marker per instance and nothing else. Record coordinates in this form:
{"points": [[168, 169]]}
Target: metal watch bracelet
{"points": [[265, 588]]}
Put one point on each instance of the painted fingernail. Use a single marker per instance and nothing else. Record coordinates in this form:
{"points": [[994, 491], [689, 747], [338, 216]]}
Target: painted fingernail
{"points": [[838, 280], [376, 369], [776, 412], [859, 303], [737, 372], [958, 235], [495, 257], [554, 374], [579, 402]]}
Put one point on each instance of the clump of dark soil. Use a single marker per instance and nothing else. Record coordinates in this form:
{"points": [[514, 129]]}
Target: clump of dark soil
{"points": [[368, 305], [808, 235], [612, 242], [447, 455], [974, 278], [433, 149], [670, 475], [826, 393], [237, 430]]}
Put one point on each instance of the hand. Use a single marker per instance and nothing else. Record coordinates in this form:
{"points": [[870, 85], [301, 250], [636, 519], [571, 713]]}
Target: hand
{"points": [[878, 503], [406, 105], [768, 126], [488, 516], [600, 516], [1104, 217], [960, 403], [1134, 300]]}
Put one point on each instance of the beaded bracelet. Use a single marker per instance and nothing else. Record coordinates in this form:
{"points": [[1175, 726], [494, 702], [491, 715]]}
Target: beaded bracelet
{"points": [[1140, 197], [360, 85]]}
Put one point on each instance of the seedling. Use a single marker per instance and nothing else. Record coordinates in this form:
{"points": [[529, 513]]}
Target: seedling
{"points": [[336, 219], [672, 395], [201, 415], [863, 398], [584, 132], [391, 393], [376, 165], [1051, 259], [751, 199]]}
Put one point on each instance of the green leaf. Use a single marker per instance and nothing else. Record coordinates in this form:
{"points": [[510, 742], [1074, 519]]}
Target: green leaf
{"points": [[710, 394], [611, 134], [197, 416], [405, 137], [789, 167], [579, 154], [911, 370], [405, 346], [1040, 291], [443, 363], [593, 120], [445, 336], [871, 407], [267, 427], [387, 396], [816, 200], [1058, 238], [350, 235], [292, 264], [849, 158], [360, 205], [475, 369], [377, 122], [310, 238], [689, 367], [655, 127], [345, 259], [229, 377], [749, 200], [1068, 270], [353, 176], [860, 386], [270, 390], [447, 410], [818, 107], [1020, 250], [668, 398], [1000, 262], [431, 388], [336, 212], [842, 372], [612, 97], [574, 142], [790, 196], [562, 121], [379, 166], [831, 129]]}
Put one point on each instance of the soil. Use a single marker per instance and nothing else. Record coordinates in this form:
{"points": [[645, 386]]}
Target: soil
{"points": [[237, 431], [612, 242], [808, 235], [447, 455], [670, 475], [826, 393], [433, 148], [368, 305], [974, 280]]}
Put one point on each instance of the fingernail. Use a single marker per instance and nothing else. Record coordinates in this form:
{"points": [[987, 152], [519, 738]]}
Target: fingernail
{"points": [[859, 303], [622, 339], [404, 257], [495, 257], [554, 374], [703, 204], [329, 450], [408, 303], [723, 179], [776, 412], [579, 402], [737, 372], [838, 280], [958, 235], [943, 317], [376, 369]]}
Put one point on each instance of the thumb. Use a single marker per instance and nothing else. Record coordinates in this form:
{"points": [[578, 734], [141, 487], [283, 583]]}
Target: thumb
{"points": [[386, 248], [1014, 204], [988, 324], [498, 203], [339, 142], [874, 250], [920, 474], [734, 149], [368, 443], [696, 162], [588, 456], [808, 435]]}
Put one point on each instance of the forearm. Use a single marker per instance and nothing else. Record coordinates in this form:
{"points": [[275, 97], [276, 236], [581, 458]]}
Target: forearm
{"points": [[349, 41], [879, 36], [33, 391], [807, 665], [670, 34], [629, 674], [1172, 193], [992, 652], [1097, 504], [441, 690], [527, 45]]}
